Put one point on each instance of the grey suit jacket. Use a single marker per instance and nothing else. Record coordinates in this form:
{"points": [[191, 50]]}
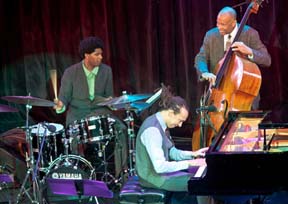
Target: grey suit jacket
{"points": [[74, 91], [212, 49]]}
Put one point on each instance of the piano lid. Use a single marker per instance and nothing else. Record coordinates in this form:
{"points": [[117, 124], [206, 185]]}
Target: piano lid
{"points": [[276, 118]]}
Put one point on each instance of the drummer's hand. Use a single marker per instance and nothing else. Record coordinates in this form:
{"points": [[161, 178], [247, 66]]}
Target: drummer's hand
{"points": [[209, 76], [59, 104], [242, 48]]}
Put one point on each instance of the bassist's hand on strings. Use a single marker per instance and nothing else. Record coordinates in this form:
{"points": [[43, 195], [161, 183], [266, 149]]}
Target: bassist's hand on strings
{"points": [[209, 76], [242, 48]]}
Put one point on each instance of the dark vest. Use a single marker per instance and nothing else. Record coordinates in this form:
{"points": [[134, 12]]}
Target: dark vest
{"points": [[144, 167]]}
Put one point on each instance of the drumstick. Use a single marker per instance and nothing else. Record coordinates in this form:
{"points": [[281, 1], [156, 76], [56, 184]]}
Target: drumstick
{"points": [[53, 76]]}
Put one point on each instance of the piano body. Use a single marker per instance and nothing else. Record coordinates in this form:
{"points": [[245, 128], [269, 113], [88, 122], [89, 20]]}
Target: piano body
{"points": [[249, 155]]}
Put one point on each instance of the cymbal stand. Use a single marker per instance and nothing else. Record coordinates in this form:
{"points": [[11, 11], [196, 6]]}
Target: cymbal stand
{"points": [[131, 140], [36, 195], [102, 153]]}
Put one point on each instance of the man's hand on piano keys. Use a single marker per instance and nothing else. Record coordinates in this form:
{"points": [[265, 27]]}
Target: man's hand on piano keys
{"points": [[200, 153], [197, 162]]}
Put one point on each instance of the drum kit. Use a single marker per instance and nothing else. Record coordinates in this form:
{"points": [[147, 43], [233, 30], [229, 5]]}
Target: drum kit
{"points": [[49, 145]]}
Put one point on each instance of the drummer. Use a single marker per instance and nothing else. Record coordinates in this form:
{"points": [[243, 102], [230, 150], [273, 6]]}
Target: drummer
{"points": [[85, 84]]}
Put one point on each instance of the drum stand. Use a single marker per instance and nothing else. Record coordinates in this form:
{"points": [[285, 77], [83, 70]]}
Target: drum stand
{"points": [[131, 140], [107, 177], [32, 171]]}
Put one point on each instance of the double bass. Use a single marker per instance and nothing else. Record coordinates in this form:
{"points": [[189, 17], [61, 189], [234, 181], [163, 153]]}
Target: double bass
{"points": [[237, 83]]}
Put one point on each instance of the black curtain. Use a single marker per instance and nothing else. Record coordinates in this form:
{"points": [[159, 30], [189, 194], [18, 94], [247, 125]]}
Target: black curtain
{"points": [[146, 42]]}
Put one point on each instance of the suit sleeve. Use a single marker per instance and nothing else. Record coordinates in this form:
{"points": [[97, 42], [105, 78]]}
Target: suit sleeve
{"points": [[65, 92], [109, 89], [260, 53], [201, 63]]}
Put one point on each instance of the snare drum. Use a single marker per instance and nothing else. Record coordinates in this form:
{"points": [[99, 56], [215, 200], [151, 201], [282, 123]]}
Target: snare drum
{"points": [[53, 145]]}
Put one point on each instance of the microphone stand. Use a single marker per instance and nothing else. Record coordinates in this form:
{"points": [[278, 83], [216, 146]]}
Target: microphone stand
{"points": [[205, 121]]}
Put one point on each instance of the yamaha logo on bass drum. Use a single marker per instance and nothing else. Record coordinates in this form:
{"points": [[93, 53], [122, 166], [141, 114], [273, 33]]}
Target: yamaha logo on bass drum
{"points": [[66, 175]]}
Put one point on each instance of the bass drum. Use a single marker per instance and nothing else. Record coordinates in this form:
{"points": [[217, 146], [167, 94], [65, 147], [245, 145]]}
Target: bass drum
{"points": [[67, 167]]}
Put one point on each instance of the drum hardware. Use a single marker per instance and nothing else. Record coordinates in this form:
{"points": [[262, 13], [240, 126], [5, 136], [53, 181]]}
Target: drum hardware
{"points": [[53, 145], [129, 120], [64, 170], [91, 129], [120, 102], [30, 100], [97, 128], [125, 102], [35, 197], [66, 145], [84, 132], [5, 109], [106, 176], [32, 171], [51, 129]]}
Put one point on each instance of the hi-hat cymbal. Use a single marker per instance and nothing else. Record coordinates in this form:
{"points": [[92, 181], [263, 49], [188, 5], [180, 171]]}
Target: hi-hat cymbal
{"points": [[29, 100], [126, 98], [5, 108]]}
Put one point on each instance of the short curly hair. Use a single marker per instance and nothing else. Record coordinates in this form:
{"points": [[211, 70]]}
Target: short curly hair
{"points": [[89, 44]]}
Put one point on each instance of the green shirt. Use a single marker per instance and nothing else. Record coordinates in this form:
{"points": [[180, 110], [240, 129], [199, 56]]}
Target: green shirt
{"points": [[90, 76]]}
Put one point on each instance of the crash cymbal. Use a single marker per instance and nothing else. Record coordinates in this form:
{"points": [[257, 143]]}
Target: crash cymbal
{"points": [[28, 100], [5, 108], [126, 98]]}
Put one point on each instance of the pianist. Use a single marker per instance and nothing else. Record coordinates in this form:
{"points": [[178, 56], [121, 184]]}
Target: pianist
{"points": [[159, 164]]}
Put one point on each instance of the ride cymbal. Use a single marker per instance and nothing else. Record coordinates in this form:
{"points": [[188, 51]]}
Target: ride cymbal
{"points": [[29, 100]]}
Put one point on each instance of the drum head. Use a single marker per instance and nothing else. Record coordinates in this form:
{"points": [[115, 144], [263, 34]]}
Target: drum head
{"points": [[67, 167], [39, 129]]}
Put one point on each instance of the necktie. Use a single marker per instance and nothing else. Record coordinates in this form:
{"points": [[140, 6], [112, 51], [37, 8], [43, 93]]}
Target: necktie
{"points": [[228, 43]]}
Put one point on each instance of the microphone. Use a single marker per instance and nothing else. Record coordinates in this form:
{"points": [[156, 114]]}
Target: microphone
{"points": [[51, 128], [210, 108]]}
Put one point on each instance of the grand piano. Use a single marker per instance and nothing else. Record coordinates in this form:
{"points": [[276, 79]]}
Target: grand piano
{"points": [[249, 155]]}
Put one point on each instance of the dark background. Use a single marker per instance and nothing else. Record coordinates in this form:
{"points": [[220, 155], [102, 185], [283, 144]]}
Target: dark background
{"points": [[146, 42]]}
